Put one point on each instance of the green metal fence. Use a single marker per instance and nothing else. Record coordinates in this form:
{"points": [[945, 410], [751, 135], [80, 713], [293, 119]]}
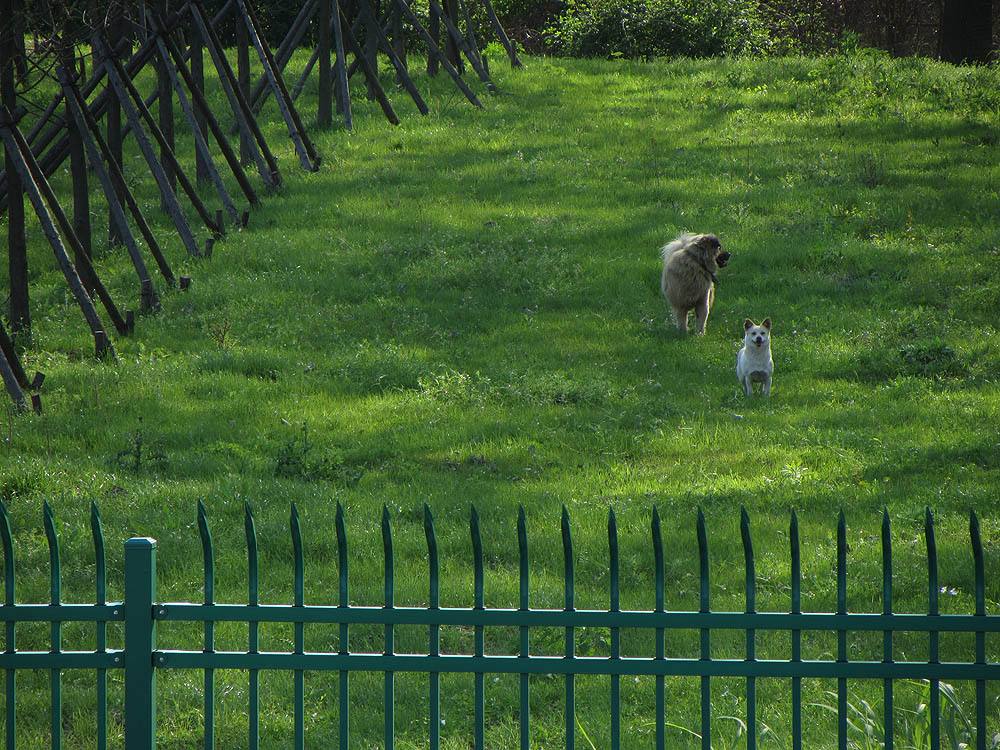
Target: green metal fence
{"points": [[140, 612]]}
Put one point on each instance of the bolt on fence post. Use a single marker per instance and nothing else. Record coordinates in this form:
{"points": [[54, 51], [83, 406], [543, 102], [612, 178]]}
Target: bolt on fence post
{"points": [[140, 642]]}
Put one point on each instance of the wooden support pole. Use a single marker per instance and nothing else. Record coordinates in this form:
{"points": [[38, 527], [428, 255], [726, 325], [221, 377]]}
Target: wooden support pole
{"points": [[197, 60], [10, 352], [102, 343], [303, 146], [515, 61], [436, 51], [115, 175], [324, 107], [200, 144], [370, 74], [166, 113], [10, 381], [198, 96], [340, 68], [78, 170], [456, 35], [84, 267], [17, 250], [262, 157], [402, 75], [147, 294], [155, 168], [166, 152], [288, 45]]}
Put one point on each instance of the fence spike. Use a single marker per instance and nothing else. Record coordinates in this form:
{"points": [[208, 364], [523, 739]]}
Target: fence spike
{"points": [[706, 653], [522, 554], [977, 556], [209, 558], [751, 636], [390, 678], [298, 677], [253, 599], [479, 644], [796, 563], [209, 564], [841, 634], [344, 642], [613, 573], [101, 627], [434, 646], [933, 653], [55, 627], [887, 712], [10, 645], [661, 652], [567, 540]]}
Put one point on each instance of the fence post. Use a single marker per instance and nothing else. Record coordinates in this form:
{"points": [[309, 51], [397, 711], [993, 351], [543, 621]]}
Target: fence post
{"points": [[140, 641]]}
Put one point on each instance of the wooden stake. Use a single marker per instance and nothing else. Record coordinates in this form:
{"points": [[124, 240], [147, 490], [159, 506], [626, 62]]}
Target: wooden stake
{"points": [[7, 131]]}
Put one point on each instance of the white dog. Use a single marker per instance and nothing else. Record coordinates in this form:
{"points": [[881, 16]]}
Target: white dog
{"points": [[754, 363]]}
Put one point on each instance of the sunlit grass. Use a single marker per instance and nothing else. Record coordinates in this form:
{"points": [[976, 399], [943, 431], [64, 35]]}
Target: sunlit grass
{"points": [[464, 310]]}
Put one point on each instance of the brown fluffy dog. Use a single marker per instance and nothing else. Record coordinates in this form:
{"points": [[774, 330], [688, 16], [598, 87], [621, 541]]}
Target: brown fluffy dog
{"points": [[689, 266]]}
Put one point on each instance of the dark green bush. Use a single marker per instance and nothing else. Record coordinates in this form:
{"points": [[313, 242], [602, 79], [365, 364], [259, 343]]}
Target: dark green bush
{"points": [[658, 28]]}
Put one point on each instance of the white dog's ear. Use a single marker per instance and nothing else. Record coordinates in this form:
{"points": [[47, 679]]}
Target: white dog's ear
{"points": [[767, 323], [748, 324]]}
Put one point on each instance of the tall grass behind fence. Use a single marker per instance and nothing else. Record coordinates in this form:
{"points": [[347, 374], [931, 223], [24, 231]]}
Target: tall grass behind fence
{"points": [[141, 657]]}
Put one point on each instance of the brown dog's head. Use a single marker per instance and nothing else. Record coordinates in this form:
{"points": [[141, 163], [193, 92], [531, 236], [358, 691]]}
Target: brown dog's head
{"points": [[711, 250]]}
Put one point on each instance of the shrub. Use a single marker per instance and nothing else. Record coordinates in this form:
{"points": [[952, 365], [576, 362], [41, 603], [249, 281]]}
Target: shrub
{"points": [[658, 28]]}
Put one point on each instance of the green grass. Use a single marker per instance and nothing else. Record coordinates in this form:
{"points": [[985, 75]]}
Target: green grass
{"points": [[464, 310]]}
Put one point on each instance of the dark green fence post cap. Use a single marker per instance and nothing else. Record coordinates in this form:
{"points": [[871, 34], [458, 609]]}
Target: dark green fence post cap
{"points": [[141, 541]]}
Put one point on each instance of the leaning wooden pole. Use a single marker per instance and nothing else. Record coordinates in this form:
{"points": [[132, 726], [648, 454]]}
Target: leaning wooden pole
{"points": [[515, 61], [147, 293], [155, 168], [198, 97], [436, 51], [10, 382], [303, 146], [8, 128], [117, 178], [201, 146], [249, 130], [19, 312]]}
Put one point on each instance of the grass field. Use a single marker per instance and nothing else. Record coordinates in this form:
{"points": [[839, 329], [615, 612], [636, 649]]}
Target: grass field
{"points": [[465, 310]]}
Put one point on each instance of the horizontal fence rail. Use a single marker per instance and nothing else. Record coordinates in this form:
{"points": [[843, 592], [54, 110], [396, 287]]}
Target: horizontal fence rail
{"points": [[140, 612]]}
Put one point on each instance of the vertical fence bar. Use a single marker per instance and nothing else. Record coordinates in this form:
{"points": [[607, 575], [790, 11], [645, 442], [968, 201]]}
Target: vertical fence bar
{"points": [[434, 635], [10, 735], [933, 655], [842, 634], [253, 646], [102, 627], [751, 608], [390, 677], [661, 652], [209, 565], [343, 645], [706, 653], [793, 536], [299, 676], [522, 555], [977, 556], [479, 645], [567, 540], [140, 642], [887, 721], [55, 627], [615, 634]]}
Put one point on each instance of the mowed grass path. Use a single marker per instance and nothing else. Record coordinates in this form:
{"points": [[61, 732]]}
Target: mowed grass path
{"points": [[465, 310]]}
